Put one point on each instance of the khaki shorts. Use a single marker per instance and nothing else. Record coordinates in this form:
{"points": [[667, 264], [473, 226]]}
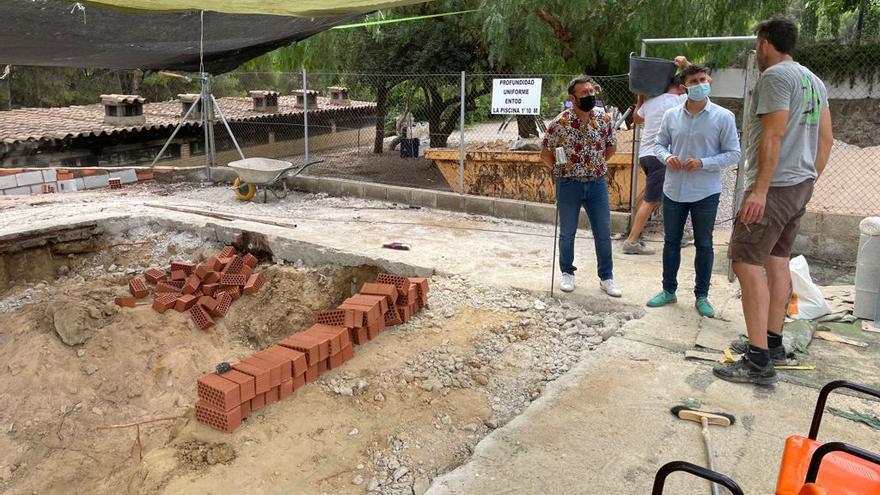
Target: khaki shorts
{"points": [[774, 235]]}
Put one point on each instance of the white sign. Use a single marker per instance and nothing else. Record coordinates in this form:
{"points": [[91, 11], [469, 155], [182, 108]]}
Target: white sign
{"points": [[516, 96]]}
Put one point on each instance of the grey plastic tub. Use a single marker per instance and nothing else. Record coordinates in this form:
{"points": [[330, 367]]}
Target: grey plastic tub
{"points": [[650, 76]]}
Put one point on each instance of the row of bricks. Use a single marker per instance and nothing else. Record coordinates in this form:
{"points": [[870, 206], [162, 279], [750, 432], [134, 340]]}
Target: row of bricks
{"points": [[225, 399], [325, 345]]}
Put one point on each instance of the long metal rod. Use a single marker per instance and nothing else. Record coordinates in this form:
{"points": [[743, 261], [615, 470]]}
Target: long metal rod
{"points": [[176, 130], [634, 190], [204, 104], [461, 140], [555, 235], [226, 124], [305, 117], [710, 39], [745, 139]]}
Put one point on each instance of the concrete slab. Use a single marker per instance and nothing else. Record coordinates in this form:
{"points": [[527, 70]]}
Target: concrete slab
{"points": [[16, 191], [479, 205], [49, 175], [95, 181], [29, 178], [127, 176], [68, 185], [8, 182]]}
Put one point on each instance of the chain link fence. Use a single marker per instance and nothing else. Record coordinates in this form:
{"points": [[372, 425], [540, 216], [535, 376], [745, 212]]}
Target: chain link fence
{"points": [[406, 129]]}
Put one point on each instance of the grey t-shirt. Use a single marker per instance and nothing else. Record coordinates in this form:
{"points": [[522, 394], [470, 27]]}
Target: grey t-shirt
{"points": [[791, 87]]}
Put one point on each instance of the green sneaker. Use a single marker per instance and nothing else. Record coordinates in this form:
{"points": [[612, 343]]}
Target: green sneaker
{"points": [[704, 308], [662, 299]]}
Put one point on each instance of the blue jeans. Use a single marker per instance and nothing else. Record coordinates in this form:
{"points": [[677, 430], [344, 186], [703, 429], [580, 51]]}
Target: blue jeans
{"points": [[703, 218], [571, 195]]}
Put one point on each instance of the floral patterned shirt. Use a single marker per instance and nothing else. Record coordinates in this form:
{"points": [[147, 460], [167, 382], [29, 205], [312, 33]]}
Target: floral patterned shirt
{"points": [[584, 143]]}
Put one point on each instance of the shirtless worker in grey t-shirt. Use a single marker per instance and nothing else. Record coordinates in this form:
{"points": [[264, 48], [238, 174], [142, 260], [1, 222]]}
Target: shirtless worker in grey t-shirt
{"points": [[792, 122]]}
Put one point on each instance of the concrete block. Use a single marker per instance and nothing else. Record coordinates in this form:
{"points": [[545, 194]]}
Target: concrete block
{"points": [[811, 223], [479, 205], [332, 187], [842, 227], [450, 201], [36, 189], [49, 175], [375, 191], [16, 191], [8, 182], [96, 181], [427, 199], [66, 186], [399, 195], [28, 178], [510, 209], [127, 176], [80, 184], [540, 213], [352, 189], [619, 222]]}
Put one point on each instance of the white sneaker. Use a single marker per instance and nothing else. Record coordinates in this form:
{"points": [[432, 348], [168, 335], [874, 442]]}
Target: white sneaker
{"points": [[567, 284], [610, 288]]}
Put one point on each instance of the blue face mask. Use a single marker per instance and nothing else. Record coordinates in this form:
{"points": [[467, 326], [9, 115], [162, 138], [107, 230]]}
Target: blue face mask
{"points": [[699, 92]]}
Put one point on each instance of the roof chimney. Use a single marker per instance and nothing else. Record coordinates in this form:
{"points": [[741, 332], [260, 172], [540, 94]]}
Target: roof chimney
{"points": [[265, 101], [123, 110], [186, 101], [339, 96], [300, 98]]}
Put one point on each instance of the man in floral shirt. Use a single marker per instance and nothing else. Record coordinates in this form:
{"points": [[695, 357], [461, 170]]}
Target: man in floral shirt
{"points": [[587, 136]]}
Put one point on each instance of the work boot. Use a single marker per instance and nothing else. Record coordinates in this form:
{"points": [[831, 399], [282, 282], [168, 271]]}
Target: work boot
{"points": [[704, 308], [745, 371], [662, 299], [777, 354], [636, 247]]}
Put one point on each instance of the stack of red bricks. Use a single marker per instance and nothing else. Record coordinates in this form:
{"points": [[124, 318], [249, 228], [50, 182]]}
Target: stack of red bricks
{"points": [[206, 290], [224, 400]]}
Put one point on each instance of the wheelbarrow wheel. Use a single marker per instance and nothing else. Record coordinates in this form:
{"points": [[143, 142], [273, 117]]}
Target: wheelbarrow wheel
{"points": [[243, 190], [280, 192]]}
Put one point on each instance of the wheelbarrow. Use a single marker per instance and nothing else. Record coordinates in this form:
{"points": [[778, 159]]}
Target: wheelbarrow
{"points": [[261, 174]]}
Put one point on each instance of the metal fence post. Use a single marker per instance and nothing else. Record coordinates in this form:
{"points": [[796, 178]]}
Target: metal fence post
{"points": [[634, 189], [461, 140], [305, 118], [745, 141]]}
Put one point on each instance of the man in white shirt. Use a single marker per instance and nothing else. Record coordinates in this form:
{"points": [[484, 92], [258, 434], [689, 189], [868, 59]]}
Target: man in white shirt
{"points": [[650, 114]]}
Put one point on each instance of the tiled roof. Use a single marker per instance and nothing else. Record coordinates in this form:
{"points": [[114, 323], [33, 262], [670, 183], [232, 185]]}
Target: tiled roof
{"points": [[45, 124]]}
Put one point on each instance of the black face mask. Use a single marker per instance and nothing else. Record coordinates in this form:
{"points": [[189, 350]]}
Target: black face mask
{"points": [[587, 103]]}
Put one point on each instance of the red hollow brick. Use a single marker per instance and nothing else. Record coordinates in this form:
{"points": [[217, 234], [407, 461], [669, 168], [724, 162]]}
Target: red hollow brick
{"points": [[186, 266], [201, 317], [253, 284], [232, 279], [209, 289], [192, 284], [126, 302], [211, 278], [322, 365], [359, 335], [213, 264], [274, 369], [202, 271], [227, 252], [367, 300], [335, 361], [405, 313], [246, 271], [422, 289], [165, 301], [165, 287], [392, 317], [376, 327], [387, 290], [337, 336], [299, 382], [226, 421], [310, 346], [246, 383], [209, 303], [233, 290], [334, 317], [245, 409], [258, 402], [273, 395], [283, 364], [297, 359], [311, 373], [286, 389], [395, 280], [372, 333], [222, 261], [198, 293], [348, 353], [154, 275], [234, 266], [185, 302], [250, 260], [260, 375], [138, 288], [178, 275], [218, 391], [224, 301]]}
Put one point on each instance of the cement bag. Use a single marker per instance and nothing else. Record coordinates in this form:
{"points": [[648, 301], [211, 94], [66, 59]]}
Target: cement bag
{"points": [[807, 301]]}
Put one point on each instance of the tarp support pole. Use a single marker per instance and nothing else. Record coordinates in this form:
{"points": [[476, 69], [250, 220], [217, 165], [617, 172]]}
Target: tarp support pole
{"points": [[305, 118], [461, 139], [228, 129], [176, 130]]}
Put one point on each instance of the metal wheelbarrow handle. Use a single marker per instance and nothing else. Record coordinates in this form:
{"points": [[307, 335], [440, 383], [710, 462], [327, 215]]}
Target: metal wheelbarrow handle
{"points": [[298, 171]]}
